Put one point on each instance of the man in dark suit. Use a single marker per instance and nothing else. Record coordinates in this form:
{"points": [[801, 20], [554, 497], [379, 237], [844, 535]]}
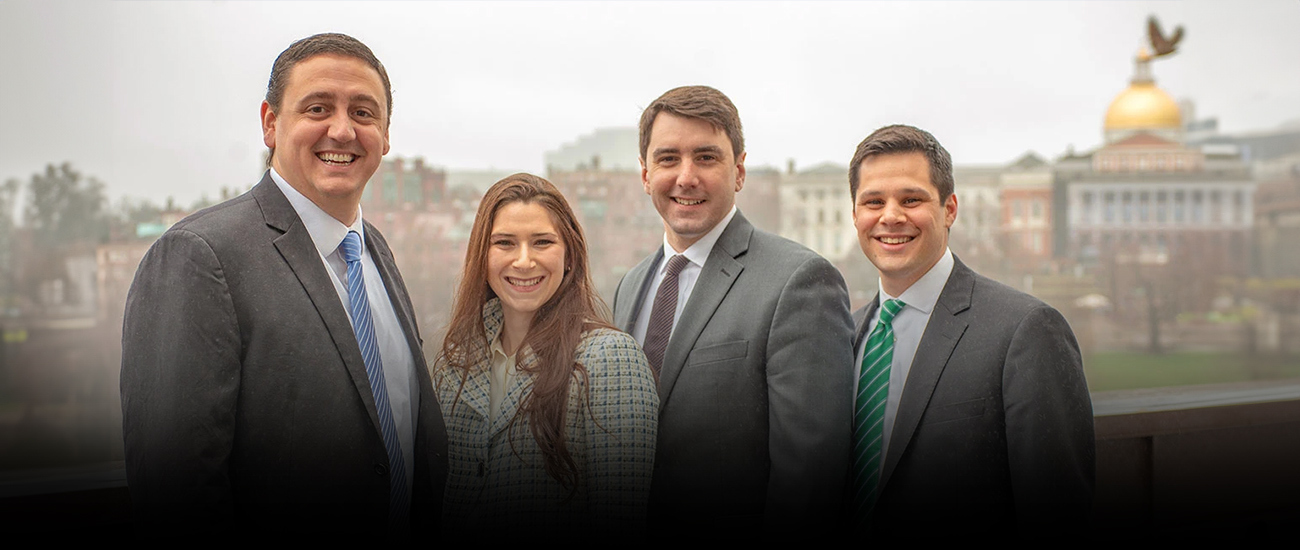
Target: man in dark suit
{"points": [[272, 375], [971, 410], [748, 333]]}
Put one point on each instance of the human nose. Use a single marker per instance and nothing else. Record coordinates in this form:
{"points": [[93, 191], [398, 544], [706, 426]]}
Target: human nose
{"points": [[524, 260], [689, 174], [892, 213], [341, 128]]}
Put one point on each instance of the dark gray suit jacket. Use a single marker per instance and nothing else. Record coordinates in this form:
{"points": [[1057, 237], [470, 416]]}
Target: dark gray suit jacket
{"points": [[246, 407], [994, 428], [753, 412]]}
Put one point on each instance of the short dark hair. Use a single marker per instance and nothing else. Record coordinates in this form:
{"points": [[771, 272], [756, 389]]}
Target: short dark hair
{"points": [[320, 44], [701, 102], [899, 138]]}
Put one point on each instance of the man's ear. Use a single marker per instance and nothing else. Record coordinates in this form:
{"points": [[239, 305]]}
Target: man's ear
{"points": [[950, 210], [268, 125], [740, 171], [645, 175]]}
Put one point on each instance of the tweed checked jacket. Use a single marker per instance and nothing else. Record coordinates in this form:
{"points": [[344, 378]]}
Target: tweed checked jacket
{"points": [[497, 471]]}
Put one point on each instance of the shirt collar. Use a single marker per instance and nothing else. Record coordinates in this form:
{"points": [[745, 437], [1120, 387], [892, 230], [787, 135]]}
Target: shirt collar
{"points": [[495, 348], [924, 293], [326, 232], [699, 252]]}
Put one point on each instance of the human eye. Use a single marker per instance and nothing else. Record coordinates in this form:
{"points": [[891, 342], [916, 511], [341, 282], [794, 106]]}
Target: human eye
{"points": [[316, 109], [667, 159], [502, 242]]}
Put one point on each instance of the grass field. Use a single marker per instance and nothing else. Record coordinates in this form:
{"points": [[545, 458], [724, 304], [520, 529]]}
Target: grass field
{"points": [[1133, 370]]}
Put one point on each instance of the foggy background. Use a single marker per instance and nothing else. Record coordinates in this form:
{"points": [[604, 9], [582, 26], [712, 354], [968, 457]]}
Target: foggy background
{"points": [[120, 118]]}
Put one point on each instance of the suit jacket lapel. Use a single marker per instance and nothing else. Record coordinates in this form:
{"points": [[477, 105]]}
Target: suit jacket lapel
{"points": [[400, 299], [298, 250], [716, 278], [476, 392], [941, 335], [640, 277], [514, 395], [860, 328]]}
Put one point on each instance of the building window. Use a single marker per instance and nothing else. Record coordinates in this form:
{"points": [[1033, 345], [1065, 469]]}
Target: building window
{"points": [[412, 189], [390, 188]]}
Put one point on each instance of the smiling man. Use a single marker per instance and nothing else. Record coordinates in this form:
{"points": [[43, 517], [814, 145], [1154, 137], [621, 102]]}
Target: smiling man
{"points": [[748, 333], [971, 410], [272, 376]]}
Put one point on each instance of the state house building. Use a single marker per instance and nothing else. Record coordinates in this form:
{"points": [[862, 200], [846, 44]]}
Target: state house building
{"points": [[1145, 197]]}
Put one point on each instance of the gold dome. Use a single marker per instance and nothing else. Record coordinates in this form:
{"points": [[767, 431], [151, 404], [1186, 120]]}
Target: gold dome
{"points": [[1143, 105]]}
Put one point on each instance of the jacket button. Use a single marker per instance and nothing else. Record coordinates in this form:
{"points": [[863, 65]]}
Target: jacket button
{"points": [[381, 469]]}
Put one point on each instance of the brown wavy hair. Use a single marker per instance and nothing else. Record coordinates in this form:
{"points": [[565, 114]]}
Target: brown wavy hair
{"points": [[557, 326], [701, 102], [900, 138]]}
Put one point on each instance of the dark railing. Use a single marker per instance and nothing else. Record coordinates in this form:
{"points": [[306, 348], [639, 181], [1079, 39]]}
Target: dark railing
{"points": [[1181, 460]]}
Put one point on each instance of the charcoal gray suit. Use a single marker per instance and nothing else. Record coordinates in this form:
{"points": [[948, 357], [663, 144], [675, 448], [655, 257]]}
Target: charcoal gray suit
{"points": [[994, 428], [753, 417], [246, 406]]}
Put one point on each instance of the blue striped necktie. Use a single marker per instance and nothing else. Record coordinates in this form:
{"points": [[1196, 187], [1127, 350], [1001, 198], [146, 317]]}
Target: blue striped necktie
{"points": [[359, 305], [869, 412]]}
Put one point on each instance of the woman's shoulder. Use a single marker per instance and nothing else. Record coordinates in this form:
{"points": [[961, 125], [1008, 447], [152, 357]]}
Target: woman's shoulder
{"points": [[602, 340], [604, 349]]}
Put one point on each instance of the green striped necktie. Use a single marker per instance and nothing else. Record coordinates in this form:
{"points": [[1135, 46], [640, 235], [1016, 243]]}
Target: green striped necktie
{"points": [[869, 411]]}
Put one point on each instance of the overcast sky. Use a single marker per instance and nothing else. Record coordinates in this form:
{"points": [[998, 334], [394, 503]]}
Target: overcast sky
{"points": [[162, 98]]}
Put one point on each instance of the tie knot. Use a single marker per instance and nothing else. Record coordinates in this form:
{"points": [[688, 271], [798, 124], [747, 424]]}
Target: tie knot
{"points": [[351, 247], [889, 309], [676, 264]]}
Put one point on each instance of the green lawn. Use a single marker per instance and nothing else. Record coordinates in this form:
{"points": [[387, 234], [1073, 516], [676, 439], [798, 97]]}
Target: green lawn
{"points": [[1133, 370]]}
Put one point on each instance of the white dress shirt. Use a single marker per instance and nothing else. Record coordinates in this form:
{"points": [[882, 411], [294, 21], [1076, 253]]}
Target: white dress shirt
{"points": [[697, 253], [909, 325], [327, 234], [502, 376]]}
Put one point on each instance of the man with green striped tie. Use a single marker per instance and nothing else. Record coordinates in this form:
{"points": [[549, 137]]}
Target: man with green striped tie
{"points": [[971, 410]]}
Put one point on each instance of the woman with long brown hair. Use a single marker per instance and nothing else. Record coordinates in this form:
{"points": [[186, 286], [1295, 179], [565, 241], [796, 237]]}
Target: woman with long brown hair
{"points": [[551, 413]]}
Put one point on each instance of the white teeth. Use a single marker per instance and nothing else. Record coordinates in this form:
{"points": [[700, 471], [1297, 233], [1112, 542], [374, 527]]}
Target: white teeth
{"points": [[524, 282], [689, 202], [336, 158], [895, 240]]}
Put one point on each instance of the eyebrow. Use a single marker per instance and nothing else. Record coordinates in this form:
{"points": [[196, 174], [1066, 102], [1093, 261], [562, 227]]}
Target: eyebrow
{"points": [[701, 149], [329, 96], [905, 191], [542, 234]]}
